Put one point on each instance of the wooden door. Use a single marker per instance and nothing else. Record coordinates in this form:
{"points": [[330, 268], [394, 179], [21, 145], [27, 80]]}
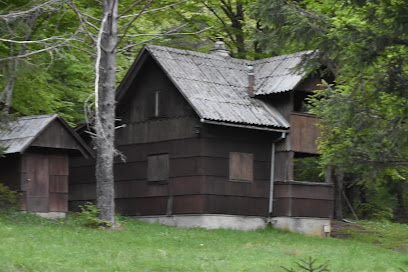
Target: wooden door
{"points": [[36, 182], [58, 178]]}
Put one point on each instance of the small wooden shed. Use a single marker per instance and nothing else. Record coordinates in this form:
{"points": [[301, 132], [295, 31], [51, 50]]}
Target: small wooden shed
{"points": [[36, 161]]}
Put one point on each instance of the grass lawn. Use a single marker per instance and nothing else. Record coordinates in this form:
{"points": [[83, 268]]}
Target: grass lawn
{"points": [[28, 243]]}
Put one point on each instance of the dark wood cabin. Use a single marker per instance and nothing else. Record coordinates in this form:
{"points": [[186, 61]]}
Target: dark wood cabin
{"points": [[36, 161], [202, 131]]}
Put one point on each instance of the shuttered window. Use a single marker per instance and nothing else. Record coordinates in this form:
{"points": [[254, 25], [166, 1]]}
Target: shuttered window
{"points": [[241, 167], [158, 167]]}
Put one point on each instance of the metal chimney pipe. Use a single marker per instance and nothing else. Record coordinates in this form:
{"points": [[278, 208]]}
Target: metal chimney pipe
{"points": [[219, 48], [251, 80]]}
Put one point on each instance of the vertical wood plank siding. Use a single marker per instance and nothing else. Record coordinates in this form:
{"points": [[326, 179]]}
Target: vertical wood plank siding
{"points": [[303, 199]]}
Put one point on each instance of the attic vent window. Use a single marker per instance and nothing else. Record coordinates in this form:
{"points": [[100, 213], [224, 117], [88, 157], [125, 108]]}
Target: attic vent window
{"points": [[157, 105]]}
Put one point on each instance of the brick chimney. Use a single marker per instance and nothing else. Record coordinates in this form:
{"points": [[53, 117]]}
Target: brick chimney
{"points": [[251, 80], [219, 48]]}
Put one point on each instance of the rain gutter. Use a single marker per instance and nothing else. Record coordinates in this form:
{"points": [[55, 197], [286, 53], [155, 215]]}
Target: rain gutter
{"points": [[284, 131]]}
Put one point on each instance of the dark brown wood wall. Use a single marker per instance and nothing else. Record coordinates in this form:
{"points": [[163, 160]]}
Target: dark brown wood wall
{"points": [[303, 199], [180, 194], [223, 196], [56, 136], [174, 133], [177, 119]]}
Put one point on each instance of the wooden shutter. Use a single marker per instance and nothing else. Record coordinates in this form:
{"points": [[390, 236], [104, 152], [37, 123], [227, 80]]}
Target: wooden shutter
{"points": [[158, 167], [241, 167]]}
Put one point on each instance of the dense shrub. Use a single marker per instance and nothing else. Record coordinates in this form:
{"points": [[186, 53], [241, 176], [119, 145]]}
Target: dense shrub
{"points": [[9, 199]]}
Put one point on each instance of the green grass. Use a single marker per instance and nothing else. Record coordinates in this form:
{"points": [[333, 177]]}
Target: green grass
{"points": [[28, 243]]}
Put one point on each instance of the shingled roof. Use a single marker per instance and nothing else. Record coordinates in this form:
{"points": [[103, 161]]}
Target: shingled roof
{"points": [[21, 133], [216, 86]]}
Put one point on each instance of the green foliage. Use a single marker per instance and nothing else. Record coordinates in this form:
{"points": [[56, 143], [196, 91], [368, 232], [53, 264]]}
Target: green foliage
{"points": [[5, 120], [309, 265], [88, 217], [374, 211], [9, 199], [364, 118], [307, 169]]}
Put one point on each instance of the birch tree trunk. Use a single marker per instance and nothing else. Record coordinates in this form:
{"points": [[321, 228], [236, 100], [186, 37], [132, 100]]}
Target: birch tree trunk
{"points": [[105, 112], [13, 66]]}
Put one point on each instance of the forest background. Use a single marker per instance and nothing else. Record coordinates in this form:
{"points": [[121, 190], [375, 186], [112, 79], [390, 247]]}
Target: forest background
{"points": [[47, 66]]}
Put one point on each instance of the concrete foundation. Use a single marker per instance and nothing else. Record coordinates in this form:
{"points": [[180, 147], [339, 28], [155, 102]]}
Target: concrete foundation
{"points": [[52, 215], [306, 225], [209, 221], [309, 226]]}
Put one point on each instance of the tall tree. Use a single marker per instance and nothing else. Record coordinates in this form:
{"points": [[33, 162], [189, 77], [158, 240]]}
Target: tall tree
{"points": [[230, 19], [17, 27], [365, 43], [107, 43]]}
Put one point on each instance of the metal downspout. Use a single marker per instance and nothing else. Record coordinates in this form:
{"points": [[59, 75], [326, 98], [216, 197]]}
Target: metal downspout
{"points": [[272, 178]]}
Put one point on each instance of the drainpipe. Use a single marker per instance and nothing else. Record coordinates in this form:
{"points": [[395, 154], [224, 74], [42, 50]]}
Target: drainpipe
{"points": [[272, 179]]}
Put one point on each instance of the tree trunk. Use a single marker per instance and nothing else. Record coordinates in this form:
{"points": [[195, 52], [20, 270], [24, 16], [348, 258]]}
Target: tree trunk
{"points": [[8, 89], [12, 77], [105, 113], [338, 199]]}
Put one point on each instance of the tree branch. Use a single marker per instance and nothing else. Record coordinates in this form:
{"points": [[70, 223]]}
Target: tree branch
{"points": [[156, 9], [166, 34], [221, 20], [81, 19], [31, 53], [29, 42], [128, 24], [13, 15], [130, 8]]}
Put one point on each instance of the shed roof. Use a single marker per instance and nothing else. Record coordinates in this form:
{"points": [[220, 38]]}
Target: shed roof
{"points": [[216, 86], [22, 132]]}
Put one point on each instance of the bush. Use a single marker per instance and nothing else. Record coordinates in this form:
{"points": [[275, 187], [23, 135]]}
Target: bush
{"points": [[9, 199], [88, 217]]}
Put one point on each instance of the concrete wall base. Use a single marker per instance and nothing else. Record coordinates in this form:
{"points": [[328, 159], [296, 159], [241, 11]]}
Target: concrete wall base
{"points": [[309, 226], [51, 215], [209, 221]]}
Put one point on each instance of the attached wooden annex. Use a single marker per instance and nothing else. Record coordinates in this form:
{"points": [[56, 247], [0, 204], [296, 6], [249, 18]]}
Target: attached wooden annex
{"points": [[36, 161], [209, 138]]}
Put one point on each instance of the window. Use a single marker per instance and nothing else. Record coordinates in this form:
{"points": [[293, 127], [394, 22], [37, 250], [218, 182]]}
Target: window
{"points": [[158, 167], [157, 105], [241, 167]]}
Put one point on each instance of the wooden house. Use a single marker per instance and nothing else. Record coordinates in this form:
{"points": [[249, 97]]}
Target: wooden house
{"points": [[36, 160], [210, 142]]}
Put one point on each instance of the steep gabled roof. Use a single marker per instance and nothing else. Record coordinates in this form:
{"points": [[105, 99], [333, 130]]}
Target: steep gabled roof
{"points": [[216, 87], [22, 132]]}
